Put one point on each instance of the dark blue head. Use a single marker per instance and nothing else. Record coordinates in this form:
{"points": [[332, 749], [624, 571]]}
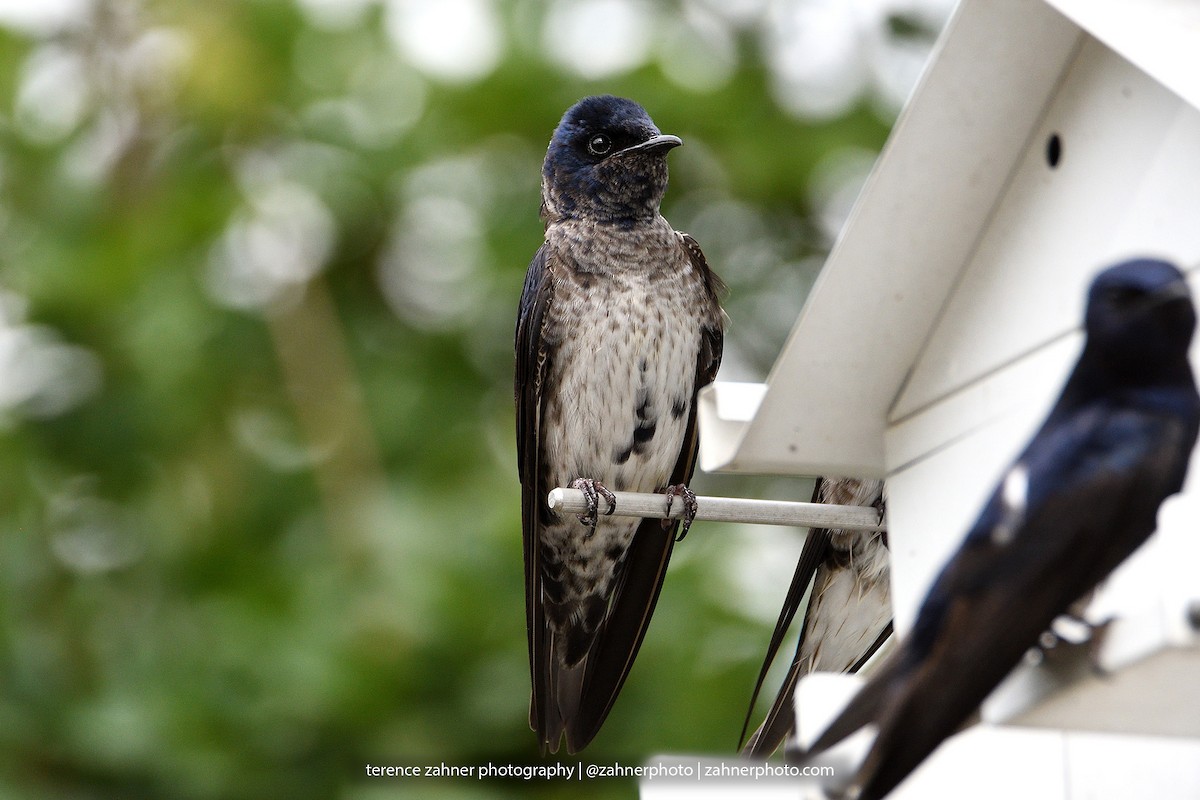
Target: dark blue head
{"points": [[1140, 320], [607, 162]]}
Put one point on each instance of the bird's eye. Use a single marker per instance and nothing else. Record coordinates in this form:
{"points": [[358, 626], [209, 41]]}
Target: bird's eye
{"points": [[599, 145], [1123, 295]]}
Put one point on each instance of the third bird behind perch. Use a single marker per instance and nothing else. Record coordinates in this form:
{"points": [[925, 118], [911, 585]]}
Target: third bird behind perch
{"points": [[849, 613], [619, 327], [1082, 496]]}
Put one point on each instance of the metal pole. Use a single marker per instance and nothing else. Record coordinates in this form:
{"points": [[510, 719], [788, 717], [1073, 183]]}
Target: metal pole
{"points": [[727, 509]]}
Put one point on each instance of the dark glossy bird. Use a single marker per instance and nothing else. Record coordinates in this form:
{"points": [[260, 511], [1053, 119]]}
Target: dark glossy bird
{"points": [[619, 328], [849, 612], [1082, 496]]}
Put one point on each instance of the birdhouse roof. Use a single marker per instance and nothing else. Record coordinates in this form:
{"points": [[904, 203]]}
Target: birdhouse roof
{"points": [[847, 370]]}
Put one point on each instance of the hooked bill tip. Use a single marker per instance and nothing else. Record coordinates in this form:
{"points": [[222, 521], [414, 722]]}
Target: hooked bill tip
{"points": [[664, 141]]}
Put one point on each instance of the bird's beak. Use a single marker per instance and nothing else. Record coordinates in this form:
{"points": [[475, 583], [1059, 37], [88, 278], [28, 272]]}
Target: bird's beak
{"points": [[1171, 293], [1176, 290], [662, 142]]}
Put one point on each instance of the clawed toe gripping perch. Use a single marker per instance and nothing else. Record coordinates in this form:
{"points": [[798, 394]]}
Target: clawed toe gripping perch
{"points": [[689, 508], [593, 490]]}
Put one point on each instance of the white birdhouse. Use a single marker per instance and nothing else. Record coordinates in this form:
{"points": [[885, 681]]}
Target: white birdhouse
{"points": [[1048, 139]]}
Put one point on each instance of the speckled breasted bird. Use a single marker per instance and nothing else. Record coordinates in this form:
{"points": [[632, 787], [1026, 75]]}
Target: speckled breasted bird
{"points": [[849, 613], [1082, 496], [619, 327]]}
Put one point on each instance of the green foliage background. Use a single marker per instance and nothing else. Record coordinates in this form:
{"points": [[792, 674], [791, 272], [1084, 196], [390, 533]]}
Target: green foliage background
{"points": [[270, 541]]}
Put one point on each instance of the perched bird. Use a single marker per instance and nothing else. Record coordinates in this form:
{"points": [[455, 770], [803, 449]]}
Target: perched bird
{"points": [[849, 613], [619, 328], [1081, 497]]}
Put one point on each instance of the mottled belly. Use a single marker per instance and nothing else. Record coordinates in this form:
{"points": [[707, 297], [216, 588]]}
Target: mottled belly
{"points": [[622, 383], [623, 390]]}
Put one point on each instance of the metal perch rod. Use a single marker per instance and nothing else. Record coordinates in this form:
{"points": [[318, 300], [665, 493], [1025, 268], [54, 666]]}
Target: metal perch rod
{"points": [[727, 509]]}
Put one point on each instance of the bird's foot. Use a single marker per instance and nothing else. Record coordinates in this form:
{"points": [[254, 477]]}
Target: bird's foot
{"points": [[689, 508], [593, 490], [1069, 632]]}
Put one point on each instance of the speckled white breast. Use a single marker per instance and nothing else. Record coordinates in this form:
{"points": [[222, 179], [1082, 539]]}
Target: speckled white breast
{"points": [[847, 609], [850, 602], [630, 336], [632, 360]]}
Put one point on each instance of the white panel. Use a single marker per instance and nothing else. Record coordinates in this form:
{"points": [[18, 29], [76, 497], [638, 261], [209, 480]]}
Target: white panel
{"points": [[985, 763], [975, 763], [820, 697], [1157, 585], [988, 762], [1172, 563], [1110, 766], [1157, 696], [1128, 183], [1157, 35], [714, 788], [955, 453], [1008, 761], [919, 217], [1031, 383], [725, 409], [1165, 202]]}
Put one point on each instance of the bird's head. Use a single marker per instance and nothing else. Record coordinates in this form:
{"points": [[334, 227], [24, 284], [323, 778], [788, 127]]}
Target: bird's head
{"points": [[606, 162], [1140, 316]]}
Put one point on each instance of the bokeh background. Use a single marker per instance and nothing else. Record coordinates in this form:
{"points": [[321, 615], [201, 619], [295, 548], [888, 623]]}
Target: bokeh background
{"points": [[259, 263]]}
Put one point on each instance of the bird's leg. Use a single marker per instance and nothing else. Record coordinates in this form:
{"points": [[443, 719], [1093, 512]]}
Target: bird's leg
{"points": [[689, 508], [1070, 631], [593, 490], [1097, 632]]}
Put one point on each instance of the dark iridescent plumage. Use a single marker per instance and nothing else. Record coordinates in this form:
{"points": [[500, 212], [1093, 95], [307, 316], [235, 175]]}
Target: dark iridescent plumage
{"points": [[619, 327], [1082, 496]]}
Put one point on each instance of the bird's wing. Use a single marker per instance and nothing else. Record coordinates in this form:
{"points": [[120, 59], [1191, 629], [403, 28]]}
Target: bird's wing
{"points": [[532, 356], [645, 564], [712, 282], [984, 633], [1093, 487], [860, 631], [778, 722]]}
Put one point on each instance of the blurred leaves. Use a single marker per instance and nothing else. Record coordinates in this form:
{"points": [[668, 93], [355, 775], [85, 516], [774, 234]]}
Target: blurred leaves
{"points": [[259, 263]]}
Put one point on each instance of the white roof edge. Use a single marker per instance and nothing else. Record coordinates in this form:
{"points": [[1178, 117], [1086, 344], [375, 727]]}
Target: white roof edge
{"points": [[1157, 36], [911, 231], [726, 408]]}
